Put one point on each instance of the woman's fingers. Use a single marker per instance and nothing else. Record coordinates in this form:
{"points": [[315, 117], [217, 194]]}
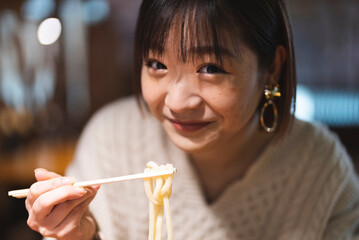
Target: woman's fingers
{"points": [[45, 195], [72, 224], [45, 203], [75, 223], [42, 187], [64, 209], [61, 227], [56, 207], [42, 174]]}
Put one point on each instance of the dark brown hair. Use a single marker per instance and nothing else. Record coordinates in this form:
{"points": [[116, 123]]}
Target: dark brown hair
{"points": [[257, 24]]}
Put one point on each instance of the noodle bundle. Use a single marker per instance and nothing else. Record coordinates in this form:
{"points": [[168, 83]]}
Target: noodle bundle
{"points": [[159, 190]]}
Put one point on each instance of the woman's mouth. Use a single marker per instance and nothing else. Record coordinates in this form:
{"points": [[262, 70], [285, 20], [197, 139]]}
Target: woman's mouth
{"points": [[188, 126]]}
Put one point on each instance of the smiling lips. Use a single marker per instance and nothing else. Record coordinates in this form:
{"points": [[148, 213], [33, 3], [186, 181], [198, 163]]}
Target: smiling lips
{"points": [[190, 126]]}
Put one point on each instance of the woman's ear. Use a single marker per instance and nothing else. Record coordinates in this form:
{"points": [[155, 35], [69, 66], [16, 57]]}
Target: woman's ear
{"points": [[276, 66]]}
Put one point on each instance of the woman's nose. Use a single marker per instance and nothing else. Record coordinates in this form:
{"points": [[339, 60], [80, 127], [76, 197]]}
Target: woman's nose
{"points": [[181, 97]]}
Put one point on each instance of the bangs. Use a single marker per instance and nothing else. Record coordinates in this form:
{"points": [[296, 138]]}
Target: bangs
{"points": [[199, 29]]}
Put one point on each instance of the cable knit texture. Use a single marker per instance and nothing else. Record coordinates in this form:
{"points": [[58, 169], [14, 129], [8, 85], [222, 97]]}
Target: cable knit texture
{"points": [[303, 187]]}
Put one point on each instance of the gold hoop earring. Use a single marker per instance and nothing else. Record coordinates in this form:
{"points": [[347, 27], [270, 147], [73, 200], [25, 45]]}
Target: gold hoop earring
{"points": [[270, 93]]}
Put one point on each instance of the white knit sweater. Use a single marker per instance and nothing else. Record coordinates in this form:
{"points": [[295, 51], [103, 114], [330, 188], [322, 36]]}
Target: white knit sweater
{"points": [[301, 188]]}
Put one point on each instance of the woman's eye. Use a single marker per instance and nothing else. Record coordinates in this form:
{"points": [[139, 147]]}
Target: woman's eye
{"points": [[155, 65], [211, 69]]}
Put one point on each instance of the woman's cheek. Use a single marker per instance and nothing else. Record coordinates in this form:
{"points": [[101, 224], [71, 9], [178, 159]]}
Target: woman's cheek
{"points": [[223, 99], [231, 104], [153, 95], [148, 87], [145, 91]]}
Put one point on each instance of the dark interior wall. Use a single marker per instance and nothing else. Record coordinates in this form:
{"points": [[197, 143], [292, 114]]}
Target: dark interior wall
{"points": [[326, 34]]}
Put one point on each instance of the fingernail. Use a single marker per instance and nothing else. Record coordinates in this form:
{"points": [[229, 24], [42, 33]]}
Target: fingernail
{"points": [[39, 170], [67, 180], [96, 187], [80, 190]]}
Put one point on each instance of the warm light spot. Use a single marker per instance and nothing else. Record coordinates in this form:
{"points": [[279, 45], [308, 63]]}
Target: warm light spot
{"points": [[49, 31]]}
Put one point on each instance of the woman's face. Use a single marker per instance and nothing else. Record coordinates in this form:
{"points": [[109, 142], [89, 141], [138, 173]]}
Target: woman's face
{"points": [[202, 103]]}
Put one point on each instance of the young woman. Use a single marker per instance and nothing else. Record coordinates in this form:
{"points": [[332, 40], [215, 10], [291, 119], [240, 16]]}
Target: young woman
{"points": [[215, 88]]}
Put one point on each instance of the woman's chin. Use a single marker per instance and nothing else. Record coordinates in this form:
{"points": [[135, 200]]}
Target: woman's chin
{"points": [[194, 144]]}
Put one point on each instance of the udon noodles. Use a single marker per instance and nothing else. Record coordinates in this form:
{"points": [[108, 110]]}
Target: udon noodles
{"points": [[159, 190]]}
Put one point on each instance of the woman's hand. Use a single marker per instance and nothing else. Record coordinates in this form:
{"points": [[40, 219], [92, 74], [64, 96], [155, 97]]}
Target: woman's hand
{"points": [[58, 209]]}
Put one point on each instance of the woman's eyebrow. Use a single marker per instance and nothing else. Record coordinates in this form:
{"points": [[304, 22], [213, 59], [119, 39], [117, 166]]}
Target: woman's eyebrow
{"points": [[210, 50]]}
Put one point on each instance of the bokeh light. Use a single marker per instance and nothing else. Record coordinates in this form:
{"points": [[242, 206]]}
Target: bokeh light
{"points": [[49, 31]]}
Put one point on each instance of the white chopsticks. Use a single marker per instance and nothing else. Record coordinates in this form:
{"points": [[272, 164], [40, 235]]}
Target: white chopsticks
{"points": [[22, 193]]}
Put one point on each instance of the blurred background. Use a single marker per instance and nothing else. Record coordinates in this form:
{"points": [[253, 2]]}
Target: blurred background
{"points": [[61, 60]]}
